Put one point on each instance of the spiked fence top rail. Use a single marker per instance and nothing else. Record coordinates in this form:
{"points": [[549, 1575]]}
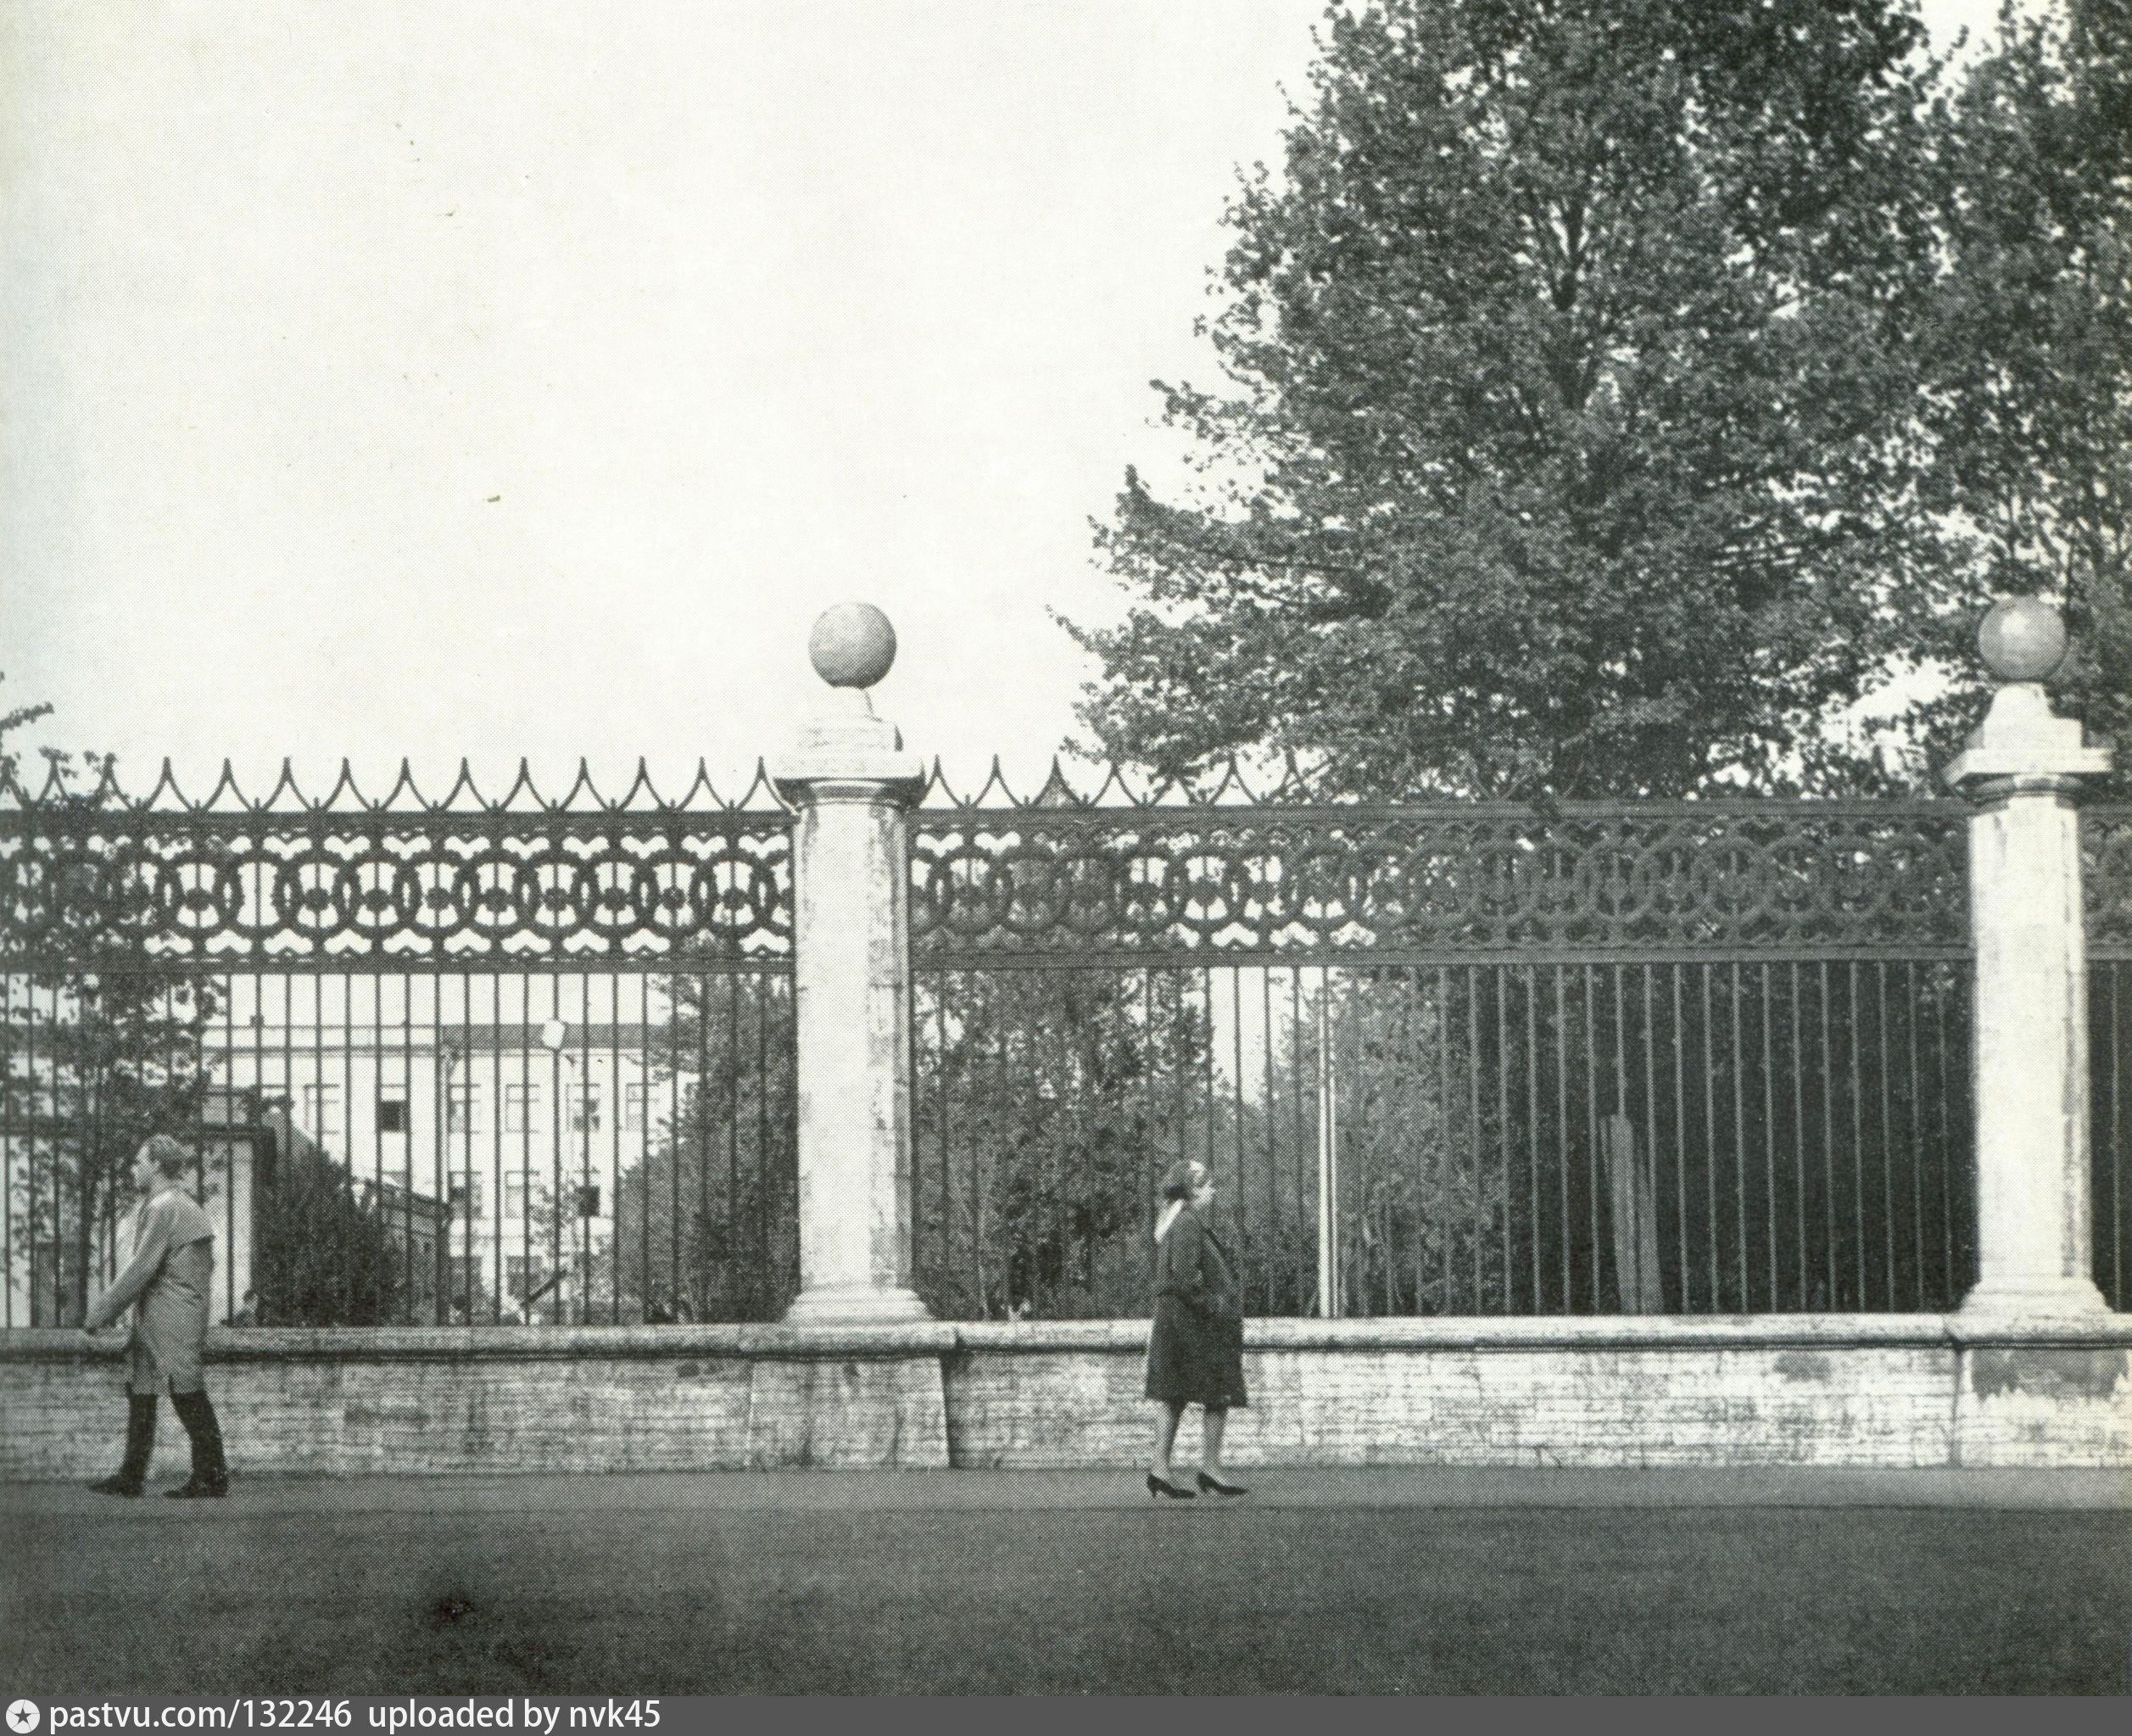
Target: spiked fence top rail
{"points": [[56, 798]]}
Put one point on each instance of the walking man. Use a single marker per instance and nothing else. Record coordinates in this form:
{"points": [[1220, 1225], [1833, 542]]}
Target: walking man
{"points": [[167, 1283]]}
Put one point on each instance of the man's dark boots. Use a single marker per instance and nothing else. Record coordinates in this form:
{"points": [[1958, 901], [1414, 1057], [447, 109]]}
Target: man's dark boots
{"points": [[210, 1477], [140, 1442]]}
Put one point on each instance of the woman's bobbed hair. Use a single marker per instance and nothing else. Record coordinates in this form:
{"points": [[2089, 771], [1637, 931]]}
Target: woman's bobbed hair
{"points": [[1180, 1181], [170, 1156]]}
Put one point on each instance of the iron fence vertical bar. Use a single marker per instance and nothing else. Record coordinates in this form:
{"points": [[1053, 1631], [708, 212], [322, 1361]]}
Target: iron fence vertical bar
{"points": [[348, 1102], [731, 1242], [1445, 1141], [1473, 1134], [952, 1074], [1798, 1125], [1911, 1107], [1739, 1141], [1503, 1125], [525, 1145], [440, 1256], [2119, 972], [1295, 1112], [1857, 1134], [1591, 1132], [1532, 1132], [498, 1195], [1650, 1115], [1887, 1133], [1620, 1090], [555, 1196], [1769, 1137], [1146, 1088], [406, 1308], [1562, 1136], [764, 1192], [1206, 1062], [696, 1108], [1352, 1150], [231, 1293], [1405, 988], [1949, 1282], [1710, 1152], [1680, 1144], [1268, 1073], [619, 1038], [2116, 973], [1829, 1149]]}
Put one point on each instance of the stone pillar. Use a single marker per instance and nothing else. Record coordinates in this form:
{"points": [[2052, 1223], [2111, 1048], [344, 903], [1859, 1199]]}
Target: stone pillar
{"points": [[852, 783], [2022, 768]]}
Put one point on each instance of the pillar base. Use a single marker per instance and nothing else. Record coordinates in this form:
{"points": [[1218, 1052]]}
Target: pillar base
{"points": [[856, 1305], [2061, 1300]]}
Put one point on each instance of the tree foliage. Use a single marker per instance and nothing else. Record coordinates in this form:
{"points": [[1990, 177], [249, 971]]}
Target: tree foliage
{"points": [[321, 1256], [90, 1064], [2029, 358], [1567, 447]]}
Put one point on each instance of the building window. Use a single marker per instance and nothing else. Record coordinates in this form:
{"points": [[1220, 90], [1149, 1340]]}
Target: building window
{"points": [[521, 1103], [467, 1280], [462, 1107], [466, 1192], [391, 1114], [634, 1100], [514, 1195], [322, 1108], [585, 1109]]}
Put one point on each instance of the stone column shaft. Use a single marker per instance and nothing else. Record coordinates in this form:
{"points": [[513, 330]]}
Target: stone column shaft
{"points": [[852, 991], [2033, 1224], [2023, 768]]}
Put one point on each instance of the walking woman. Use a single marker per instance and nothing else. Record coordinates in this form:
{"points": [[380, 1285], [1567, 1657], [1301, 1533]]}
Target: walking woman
{"points": [[1195, 1351], [167, 1283]]}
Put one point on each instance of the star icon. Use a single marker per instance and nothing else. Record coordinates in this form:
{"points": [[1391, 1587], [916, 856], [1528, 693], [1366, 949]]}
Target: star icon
{"points": [[23, 1717]]}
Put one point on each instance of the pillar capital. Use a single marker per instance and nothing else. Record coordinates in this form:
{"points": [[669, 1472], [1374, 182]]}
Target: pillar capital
{"points": [[2023, 747], [843, 747]]}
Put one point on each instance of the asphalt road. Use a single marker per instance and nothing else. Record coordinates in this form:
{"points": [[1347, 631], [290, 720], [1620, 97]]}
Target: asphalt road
{"points": [[1440, 1582]]}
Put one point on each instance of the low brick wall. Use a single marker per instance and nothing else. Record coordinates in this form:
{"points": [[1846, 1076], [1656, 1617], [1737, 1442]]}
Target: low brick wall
{"points": [[1825, 1390], [433, 1400]]}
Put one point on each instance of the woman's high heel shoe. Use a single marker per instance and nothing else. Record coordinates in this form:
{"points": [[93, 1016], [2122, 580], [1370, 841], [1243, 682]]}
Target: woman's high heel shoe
{"points": [[1216, 1486], [1157, 1487]]}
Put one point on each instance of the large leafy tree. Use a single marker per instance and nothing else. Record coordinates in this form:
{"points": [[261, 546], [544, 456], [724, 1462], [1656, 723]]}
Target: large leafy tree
{"points": [[1568, 443], [2030, 404]]}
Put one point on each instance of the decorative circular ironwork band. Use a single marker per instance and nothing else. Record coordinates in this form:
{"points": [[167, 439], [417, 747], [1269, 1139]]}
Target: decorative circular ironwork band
{"points": [[549, 890], [1785, 878]]}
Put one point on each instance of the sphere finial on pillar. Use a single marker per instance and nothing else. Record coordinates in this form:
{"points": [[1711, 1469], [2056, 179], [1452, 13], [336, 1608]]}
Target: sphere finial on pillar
{"points": [[2023, 638], [852, 645]]}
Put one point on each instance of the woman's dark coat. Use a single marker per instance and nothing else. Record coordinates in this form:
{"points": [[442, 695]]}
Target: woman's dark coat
{"points": [[1195, 1354]]}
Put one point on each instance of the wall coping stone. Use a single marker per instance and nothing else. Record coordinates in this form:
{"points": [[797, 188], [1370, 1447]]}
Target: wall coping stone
{"points": [[751, 1343], [905, 1339], [1570, 1332]]}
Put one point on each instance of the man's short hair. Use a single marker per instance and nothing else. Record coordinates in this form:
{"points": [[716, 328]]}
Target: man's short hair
{"points": [[170, 1157]]}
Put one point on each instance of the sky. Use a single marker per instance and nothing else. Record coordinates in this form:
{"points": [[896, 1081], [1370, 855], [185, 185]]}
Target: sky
{"points": [[499, 380]]}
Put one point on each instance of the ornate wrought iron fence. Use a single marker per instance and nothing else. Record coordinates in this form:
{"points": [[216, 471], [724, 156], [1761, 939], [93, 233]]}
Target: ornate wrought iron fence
{"points": [[452, 1060], [1707, 1057], [2106, 839]]}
